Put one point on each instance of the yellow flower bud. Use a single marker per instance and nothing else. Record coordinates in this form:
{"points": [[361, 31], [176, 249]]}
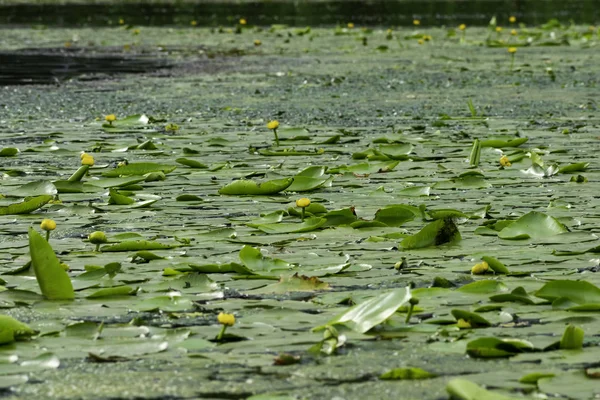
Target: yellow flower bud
{"points": [[110, 118], [350, 25], [462, 27], [273, 124], [512, 50], [226, 319], [416, 22], [462, 324], [87, 160], [48, 224], [512, 19], [480, 269], [498, 29], [257, 42], [505, 162], [97, 237], [513, 32], [303, 202], [243, 21]]}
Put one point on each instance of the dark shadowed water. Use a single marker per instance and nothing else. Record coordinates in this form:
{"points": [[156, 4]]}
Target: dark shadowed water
{"points": [[383, 12]]}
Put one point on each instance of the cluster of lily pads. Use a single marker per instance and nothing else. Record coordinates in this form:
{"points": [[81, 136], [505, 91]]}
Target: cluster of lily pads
{"points": [[303, 233]]}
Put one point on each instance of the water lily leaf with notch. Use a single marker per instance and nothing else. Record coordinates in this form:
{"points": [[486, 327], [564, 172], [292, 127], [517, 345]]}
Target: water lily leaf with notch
{"points": [[12, 330], [407, 374], [309, 224], [254, 260], [447, 213], [462, 389], [579, 292], [54, 282], [191, 163], [26, 206], [372, 312], [540, 171], [535, 225], [250, 187], [438, 232], [126, 349], [31, 189], [475, 320], [396, 215], [118, 198], [136, 245], [295, 283], [309, 179], [138, 169], [491, 347]]}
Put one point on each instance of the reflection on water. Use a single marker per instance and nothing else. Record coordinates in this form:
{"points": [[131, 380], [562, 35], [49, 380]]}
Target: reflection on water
{"points": [[51, 66], [376, 12]]}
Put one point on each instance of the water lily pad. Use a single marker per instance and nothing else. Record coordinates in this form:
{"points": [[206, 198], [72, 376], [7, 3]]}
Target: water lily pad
{"points": [[27, 206], [435, 233], [535, 225], [250, 187], [406, 374]]}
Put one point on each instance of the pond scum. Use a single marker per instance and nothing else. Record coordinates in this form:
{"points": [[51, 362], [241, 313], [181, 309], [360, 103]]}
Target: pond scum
{"points": [[305, 213]]}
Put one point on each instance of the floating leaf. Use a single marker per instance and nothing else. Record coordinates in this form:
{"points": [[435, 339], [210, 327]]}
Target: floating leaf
{"points": [[26, 206], [462, 389], [372, 312], [9, 152], [491, 347], [535, 225], [518, 295], [396, 215], [295, 283], [37, 188], [52, 278], [250, 187], [136, 245], [309, 224], [254, 260], [534, 377], [191, 163], [345, 216], [406, 374], [577, 167], [137, 169], [579, 292], [484, 287], [111, 292], [433, 234], [475, 320]]}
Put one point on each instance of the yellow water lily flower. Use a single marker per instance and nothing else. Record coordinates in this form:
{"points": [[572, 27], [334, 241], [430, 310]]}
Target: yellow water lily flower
{"points": [[498, 29], [110, 118], [480, 269], [88, 159], [243, 21], [513, 32], [512, 19], [505, 162], [416, 22], [303, 202], [48, 224], [226, 319], [512, 50], [273, 124], [350, 25], [257, 42], [462, 27]]}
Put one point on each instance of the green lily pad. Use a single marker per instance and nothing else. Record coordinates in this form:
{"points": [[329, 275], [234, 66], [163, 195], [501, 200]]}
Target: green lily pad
{"points": [[535, 225], [579, 292], [11, 330], [462, 389], [27, 206], [250, 187], [254, 260], [406, 374], [309, 224], [137, 169]]}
